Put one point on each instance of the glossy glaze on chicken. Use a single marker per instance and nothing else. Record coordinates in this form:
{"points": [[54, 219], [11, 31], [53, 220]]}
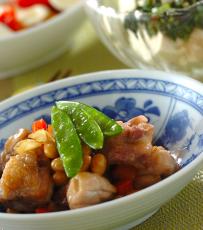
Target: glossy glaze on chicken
{"points": [[33, 179]]}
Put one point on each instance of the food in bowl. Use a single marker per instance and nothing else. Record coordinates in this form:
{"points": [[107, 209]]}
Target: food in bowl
{"points": [[161, 16], [32, 47], [83, 158], [149, 34], [16, 15], [173, 104]]}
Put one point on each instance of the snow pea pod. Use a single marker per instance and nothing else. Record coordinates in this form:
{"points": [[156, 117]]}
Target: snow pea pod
{"points": [[108, 126], [68, 142], [87, 128]]}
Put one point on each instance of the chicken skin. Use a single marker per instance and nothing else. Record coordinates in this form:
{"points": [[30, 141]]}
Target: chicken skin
{"points": [[9, 146], [26, 183], [133, 147], [87, 188]]}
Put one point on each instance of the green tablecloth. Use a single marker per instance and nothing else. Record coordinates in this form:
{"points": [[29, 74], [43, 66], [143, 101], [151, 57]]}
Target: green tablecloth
{"points": [[185, 211]]}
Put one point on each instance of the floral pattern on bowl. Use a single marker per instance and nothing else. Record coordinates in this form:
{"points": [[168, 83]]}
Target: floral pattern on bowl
{"points": [[159, 100], [167, 103], [125, 108]]}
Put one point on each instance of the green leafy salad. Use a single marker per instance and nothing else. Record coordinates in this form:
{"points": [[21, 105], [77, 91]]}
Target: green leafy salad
{"points": [[174, 18]]}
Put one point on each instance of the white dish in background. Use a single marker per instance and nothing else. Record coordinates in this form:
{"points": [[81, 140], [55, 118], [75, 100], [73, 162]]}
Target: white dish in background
{"points": [[30, 48], [172, 102]]}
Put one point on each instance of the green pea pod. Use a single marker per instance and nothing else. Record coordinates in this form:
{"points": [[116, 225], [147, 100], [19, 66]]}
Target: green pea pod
{"points": [[68, 142], [108, 126], [87, 128]]}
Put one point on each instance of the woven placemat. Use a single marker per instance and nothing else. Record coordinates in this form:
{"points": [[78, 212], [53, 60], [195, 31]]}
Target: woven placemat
{"points": [[183, 212]]}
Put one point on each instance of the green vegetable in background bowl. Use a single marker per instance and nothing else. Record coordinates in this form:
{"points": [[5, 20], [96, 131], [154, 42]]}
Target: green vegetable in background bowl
{"points": [[152, 34], [176, 19]]}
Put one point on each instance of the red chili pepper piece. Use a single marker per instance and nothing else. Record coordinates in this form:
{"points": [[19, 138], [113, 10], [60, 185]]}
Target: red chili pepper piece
{"points": [[124, 187], [123, 172], [41, 210], [27, 3], [39, 124], [8, 17]]}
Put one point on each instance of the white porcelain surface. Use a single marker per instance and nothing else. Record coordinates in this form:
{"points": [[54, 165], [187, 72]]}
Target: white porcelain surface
{"points": [[167, 99], [33, 47]]}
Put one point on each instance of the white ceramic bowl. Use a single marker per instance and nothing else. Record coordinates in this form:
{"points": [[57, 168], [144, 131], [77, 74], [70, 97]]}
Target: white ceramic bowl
{"points": [[35, 46], [174, 104]]}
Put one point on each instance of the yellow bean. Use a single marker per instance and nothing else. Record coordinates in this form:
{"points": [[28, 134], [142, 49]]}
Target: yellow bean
{"points": [[60, 178], [57, 164], [86, 158], [86, 163], [86, 150], [50, 129], [50, 150], [99, 164]]}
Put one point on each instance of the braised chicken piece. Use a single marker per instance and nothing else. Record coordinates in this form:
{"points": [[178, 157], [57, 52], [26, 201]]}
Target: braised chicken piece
{"points": [[26, 182], [59, 200], [133, 147], [9, 145], [87, 189], [134, 142], [161, 162]]}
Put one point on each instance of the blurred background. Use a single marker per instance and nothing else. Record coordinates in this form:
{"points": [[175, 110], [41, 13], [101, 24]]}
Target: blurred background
{"points": [[87, 54]]}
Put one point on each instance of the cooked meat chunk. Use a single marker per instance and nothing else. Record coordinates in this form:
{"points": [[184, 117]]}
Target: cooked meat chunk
{"points": [[143, 181], [134, 147], [9, 145], [25, 183], [162, 163], [87, 189], [59, 200], [134, 142]]}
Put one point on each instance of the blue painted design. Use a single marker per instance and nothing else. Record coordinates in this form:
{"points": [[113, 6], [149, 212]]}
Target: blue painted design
{"points": [[190, 159], [2, 143], [148, 103], [190, 141], [121, 109], [125, 109], [102, 87], [200, 141], [176, 129], [45, 117]]}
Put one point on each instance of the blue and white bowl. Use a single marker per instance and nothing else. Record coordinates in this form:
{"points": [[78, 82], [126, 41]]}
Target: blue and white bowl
{"points": [[173, 103]]}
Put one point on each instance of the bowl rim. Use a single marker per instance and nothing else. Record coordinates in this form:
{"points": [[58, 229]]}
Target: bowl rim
{"points": [[171, 12], [133, 73], [41, 26]]}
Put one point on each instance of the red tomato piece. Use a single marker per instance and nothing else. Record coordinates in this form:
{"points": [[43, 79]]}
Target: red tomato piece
{"points": [[27, 3], [14, 25], [8, 17], [41, 210], [124, 187], [7, 13], [123, 172], [39, 124]]}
